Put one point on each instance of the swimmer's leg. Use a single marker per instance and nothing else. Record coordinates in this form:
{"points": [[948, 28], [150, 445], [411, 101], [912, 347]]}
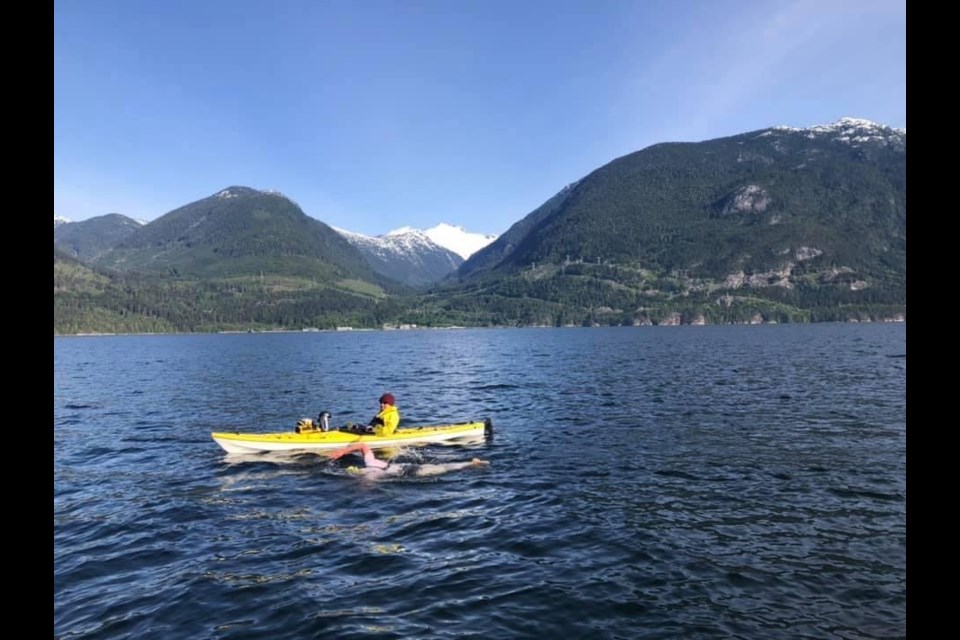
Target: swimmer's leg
{"points": [[437, 469], [431, 470]]}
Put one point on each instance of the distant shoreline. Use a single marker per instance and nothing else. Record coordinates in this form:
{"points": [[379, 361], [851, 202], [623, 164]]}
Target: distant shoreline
{"points": [[898, 320]]}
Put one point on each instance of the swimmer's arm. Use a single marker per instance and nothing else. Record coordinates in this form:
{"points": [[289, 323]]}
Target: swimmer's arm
{"points": [[350, 448]]}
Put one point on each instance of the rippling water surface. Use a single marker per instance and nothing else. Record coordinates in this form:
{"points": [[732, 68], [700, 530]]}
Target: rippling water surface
{"points": [[655, 482]]}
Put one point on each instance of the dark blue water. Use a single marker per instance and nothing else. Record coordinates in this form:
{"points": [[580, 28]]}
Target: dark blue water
{"points": [[654, 482]]}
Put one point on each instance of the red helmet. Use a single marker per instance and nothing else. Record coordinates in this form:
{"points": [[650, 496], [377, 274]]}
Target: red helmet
{"points": [[387, 398]]}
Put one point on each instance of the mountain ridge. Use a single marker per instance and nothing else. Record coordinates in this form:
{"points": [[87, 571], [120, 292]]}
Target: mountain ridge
{"points": [[772, 225], [773, 221], [89, 239], [410, 256], [243, 232]]}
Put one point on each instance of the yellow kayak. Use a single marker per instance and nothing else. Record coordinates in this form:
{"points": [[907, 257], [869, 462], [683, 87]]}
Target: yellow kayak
{"points": [[460, 433]]}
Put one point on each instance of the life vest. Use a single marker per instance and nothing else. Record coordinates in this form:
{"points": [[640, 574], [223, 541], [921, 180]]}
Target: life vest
{"points": [[386, 421]]}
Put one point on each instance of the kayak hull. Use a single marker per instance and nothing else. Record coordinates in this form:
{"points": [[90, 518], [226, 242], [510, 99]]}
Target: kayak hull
{"points": [[460, 433]]}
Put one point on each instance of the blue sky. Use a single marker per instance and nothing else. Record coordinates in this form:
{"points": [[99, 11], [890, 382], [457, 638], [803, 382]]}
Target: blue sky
{"points": [[377, 114]]}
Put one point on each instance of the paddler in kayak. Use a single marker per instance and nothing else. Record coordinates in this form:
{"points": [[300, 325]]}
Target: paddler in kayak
{"points": [[375, 469], [385, 422]]}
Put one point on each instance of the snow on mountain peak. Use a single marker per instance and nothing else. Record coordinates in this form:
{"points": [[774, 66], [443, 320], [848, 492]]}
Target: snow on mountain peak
{"points": [[450, 237], [236, 192], [458, 240], [851, 130], [403, 241], [402, 231]]}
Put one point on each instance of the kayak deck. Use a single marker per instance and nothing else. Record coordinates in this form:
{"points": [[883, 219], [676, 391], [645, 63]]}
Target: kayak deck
{"points": [[460, 433]]}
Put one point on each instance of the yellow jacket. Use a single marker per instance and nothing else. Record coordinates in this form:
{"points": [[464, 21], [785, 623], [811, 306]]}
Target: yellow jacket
{"points": [[385, 423]]}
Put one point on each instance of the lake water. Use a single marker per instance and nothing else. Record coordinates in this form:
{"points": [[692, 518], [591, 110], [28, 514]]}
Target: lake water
{"points": [[650, 482]]}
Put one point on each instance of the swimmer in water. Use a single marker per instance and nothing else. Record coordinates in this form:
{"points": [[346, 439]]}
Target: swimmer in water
{"points": [[376, 469]]}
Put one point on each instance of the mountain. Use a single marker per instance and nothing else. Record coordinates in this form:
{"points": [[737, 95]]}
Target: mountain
{"points": [[406, 255], [241, 259], [491, 254], [773, 223], [90, 299], [88, 239], [458, 240], [240, 232], [59, 220], [418, 258]]}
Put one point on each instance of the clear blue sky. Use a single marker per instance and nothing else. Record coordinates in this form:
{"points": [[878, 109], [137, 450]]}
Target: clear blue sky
{"points": [[376, 114]]}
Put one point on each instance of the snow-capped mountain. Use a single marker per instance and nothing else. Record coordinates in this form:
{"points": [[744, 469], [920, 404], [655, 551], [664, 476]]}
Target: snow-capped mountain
{"points": [[853, 131], [418, 258], [406, 255], [458, 240]]}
